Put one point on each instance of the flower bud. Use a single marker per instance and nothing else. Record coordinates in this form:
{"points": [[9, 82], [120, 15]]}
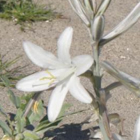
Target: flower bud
{"points": [[97, 28], [90, 5]]}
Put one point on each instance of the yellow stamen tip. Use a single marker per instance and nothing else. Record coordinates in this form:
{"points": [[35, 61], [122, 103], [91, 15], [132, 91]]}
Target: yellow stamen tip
{"points": [[35, 107], [51, 75]]}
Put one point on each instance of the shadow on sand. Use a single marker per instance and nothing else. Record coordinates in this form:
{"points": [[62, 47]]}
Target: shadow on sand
{"points": [[69, 132]]}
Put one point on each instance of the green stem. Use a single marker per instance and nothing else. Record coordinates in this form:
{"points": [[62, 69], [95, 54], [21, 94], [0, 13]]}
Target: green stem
{"points": [[96, 59], [103, 128], [102, 113], [96, 69]]}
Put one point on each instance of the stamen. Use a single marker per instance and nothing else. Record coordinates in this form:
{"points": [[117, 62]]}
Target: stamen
{"points": [[46, 78], [35, 107], [50, 74], [50, 79]]}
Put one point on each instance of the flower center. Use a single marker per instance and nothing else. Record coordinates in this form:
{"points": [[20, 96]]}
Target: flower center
{"points": [[51, 78], [67, 73], [46, 80]]}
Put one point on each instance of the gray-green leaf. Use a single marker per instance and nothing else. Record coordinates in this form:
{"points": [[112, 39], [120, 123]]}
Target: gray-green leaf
{"points": [[30, 135], [20, 121], [102, 8], [80, 11], [123, 26], [5, 128], [14, 99], [128, 81]]}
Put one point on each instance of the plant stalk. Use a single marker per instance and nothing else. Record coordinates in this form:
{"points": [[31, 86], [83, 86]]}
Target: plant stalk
{"points": [[102, 113], [96, 69]]}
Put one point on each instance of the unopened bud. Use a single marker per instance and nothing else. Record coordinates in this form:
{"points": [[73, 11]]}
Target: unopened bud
{"points": [[97, 28], [91, 5], [103, 7]]}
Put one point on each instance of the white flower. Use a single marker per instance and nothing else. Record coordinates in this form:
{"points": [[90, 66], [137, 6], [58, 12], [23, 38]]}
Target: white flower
{"points": [[61, 72]]}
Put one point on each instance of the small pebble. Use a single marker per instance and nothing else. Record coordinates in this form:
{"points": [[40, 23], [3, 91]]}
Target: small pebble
{"points": [[127, 49], [122, 57]]}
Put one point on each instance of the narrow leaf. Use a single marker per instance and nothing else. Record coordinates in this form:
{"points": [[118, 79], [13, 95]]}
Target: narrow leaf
{"points": [[20, 121], [128, 81], [30, 135], [79, 10], [5, 128], [24, 100], [93, 5], [8, 64], [123, 26], [3, 112], [88, 5], [14, 99], [47, 126]]}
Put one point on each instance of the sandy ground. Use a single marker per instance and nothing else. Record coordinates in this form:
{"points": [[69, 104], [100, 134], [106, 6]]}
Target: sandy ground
{"points": [[122, 53]]}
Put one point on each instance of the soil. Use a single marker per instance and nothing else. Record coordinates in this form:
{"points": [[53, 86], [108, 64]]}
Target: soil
{"points": [[123, 53]]}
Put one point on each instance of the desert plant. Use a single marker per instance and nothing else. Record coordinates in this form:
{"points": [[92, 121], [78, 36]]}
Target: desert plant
{"points": [[26, 11], [8, 73], [30, 121], [92, 15], [63, 72]]}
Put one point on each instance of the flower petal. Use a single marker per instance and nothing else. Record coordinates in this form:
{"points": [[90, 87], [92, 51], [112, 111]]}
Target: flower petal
{"points": [[64, 43], [56, 101], [39, 81], [83, 63], [40, 57], [79, 92], [57, 98]]}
